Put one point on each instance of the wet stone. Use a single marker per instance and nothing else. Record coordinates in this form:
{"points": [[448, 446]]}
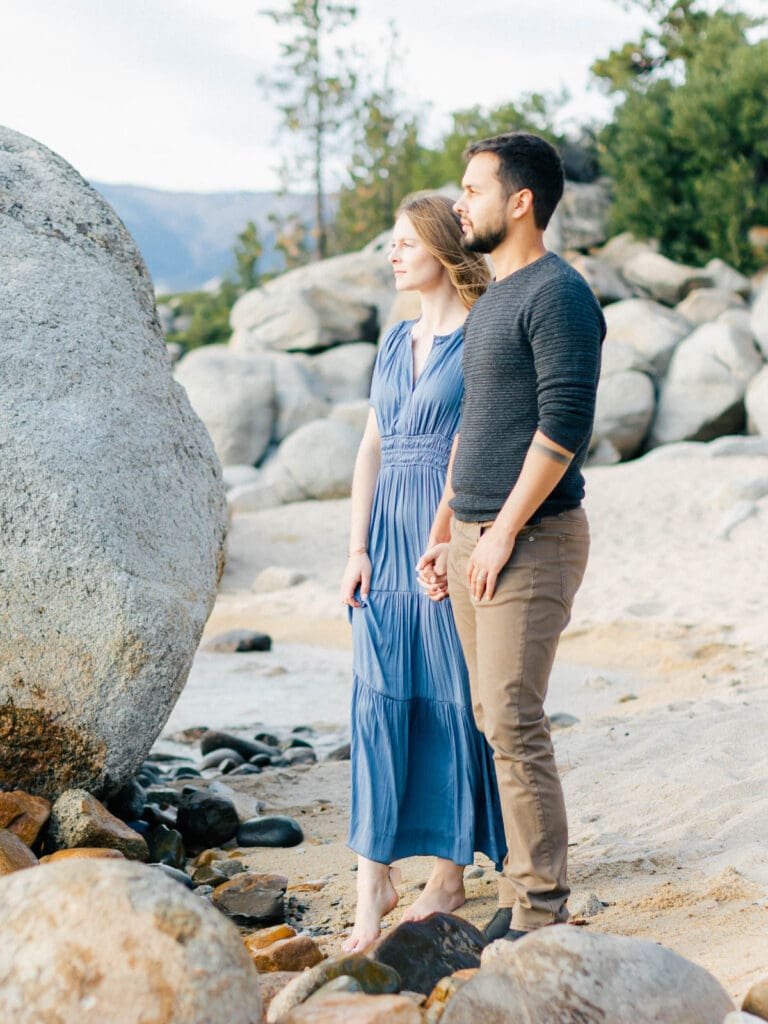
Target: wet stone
{"points": [[15, 855], [245, 769], [295, 741], [209, 874], [250, 898], [214, 740], [206, 820], [228, 765], [264, 937], [268, 738], [298, 755], [79, 819], [215, 757], [155, 815], [83, 853], [175, 873], [163, 796], [128, 803], [277, 830], [423, 952], [292, 954], [340, 753], [236, 641], [373, 978], [187, 773], [23, 814], [261, 760], [166, 846]]}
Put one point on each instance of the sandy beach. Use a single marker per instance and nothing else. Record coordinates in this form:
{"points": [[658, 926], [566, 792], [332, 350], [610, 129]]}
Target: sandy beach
{"points": [[663, 669]]}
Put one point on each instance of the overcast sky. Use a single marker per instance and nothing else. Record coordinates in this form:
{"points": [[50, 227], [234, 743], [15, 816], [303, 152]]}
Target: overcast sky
{"points": [[163, 92]]}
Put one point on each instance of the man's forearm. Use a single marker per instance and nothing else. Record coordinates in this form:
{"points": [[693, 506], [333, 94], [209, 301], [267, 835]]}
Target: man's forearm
{"points": [[544, 466]]}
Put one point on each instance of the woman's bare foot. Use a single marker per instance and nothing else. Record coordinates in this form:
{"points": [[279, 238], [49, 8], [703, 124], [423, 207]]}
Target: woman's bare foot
{"points": [[376, 897], [443, 892]]}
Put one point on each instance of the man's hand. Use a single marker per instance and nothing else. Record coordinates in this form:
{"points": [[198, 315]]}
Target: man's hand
{"points": [[432, 568], [491, 554]]}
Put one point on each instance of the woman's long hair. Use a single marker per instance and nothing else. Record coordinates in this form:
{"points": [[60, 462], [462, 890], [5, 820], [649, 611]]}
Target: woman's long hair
{"points": [[439, 228]]}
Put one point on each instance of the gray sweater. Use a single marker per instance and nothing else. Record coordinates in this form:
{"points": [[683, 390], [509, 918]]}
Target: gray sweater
{"points": [[531, 361]]}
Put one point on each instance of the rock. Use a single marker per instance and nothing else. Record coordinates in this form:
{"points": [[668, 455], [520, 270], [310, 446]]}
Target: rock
{"points": [[299, 755], [213, 739], [176, 874], [83, 853], [374, 978], [128, 802], [264, 937], [15, 855], [603, 454], [562, 720], [215, 757], [583, 212], [276, 577], [23, 814], [729, 447], [124, 944], [209, 874], [650, 329], [318, 460], [756, 403], [272, 983], [663, 279], [354, 414], [238, 476], [251, 899], [113, 506], [354, 1008], [592, 907], [346, 371], [567, 974], [276, 830], [300, 393], [254, 497], [423, 952], [751, 488], [624, 409], [618, 250], [166, 846], [340, 753], [740, 1017], [337, 300], [702, 396], [446, 989], [247, 806], [756, 999], [726, 277], [78, 819], [735, 516], [759, 319], [205, 819], [236, 641], [606, 282], [706, 304], [234, 396], [292, 954]]}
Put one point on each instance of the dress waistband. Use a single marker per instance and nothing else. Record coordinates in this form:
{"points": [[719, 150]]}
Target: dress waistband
{"points": [[415, 450]]}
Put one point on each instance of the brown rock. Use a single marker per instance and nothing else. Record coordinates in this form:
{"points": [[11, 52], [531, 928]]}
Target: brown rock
{"points": [[14, 854], [308, 886], [272, 983], [354, 1008], [23, 814], [84, 853], [292, 954], [756, 999], [264, 937], [423, 952], [447, 987], [251, 898], [78, 819], [373, 978]]}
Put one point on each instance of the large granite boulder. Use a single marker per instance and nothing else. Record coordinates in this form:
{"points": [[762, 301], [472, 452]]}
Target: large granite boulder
{"points": [[113, 513], [663, 279], [300, 393], [756, 401], [567, 974], [603, 278], [316, 461], [346, 371], [89, 941], [626, 402], [702, 396], [343, 299], [620, 249], [583, 213], [648, 327], [759, 319], [234, 396], [705, 304]]}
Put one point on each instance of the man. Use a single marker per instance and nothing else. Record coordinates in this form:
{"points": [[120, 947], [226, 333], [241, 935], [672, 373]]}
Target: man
{"points": [[519, 537]]}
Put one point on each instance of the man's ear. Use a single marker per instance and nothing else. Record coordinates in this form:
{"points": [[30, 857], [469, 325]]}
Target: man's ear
{"points": [[521, 203]]}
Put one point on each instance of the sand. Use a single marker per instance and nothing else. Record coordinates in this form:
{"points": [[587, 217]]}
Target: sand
{"points": [[664, 666]]}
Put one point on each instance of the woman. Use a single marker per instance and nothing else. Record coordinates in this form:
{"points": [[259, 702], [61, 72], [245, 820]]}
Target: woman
{"points": [[423, 781]]}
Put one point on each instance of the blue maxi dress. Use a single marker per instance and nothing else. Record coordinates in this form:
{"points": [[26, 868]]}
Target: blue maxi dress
{"points": [[423, 779]]}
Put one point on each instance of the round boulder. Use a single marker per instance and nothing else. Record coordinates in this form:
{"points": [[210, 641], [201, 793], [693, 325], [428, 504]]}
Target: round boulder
{"points": [[624, 409], [756, 401], [648, 327], [121, 943], [319, 458], [113, 514]]}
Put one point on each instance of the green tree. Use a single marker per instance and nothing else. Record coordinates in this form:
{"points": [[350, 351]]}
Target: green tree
{"points": [[247, 252], [317, 92], [688, 145]]}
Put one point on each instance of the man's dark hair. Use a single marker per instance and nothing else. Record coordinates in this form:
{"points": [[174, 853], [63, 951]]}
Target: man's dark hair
{"points": [[526, 161]]}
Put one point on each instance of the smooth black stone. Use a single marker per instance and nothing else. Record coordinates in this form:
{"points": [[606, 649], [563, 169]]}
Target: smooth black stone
{"points": [[295, 741], [157, 757], [341, 753], [163, 795], [299, 755], [206, 820], [178, 876], [307, 730], [128, 803], [146, 780], [155, 816], [214, 740], [245, 769], [239, 640], [276, 830], [215, 757], [260, 760], [142, 827], [166, 846], [268, 738], [209, 874], [187, 773], [228, 765]]}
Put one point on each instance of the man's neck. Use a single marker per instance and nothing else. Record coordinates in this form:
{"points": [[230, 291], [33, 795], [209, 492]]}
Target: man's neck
{"points": [[514, 253]]}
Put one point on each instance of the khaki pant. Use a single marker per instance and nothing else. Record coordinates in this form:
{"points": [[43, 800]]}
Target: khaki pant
{"points": [[509, 645]]}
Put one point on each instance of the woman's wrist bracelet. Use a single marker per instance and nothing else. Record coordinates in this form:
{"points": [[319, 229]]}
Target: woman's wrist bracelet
{"points": [[358, 551]]}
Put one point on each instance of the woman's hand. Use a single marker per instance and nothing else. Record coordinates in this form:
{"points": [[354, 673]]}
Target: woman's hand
{"points": [[432, 568], [357, 572]]}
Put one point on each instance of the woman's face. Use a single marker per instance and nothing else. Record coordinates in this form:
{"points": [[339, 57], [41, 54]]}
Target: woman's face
{"points": [[415, 268]]}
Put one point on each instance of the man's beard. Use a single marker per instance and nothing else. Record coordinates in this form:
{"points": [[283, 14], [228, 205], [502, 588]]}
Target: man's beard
{"points": [[487, 242]]}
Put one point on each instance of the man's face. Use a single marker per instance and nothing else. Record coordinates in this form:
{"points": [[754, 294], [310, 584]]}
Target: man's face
{"points": [[483, 205]]}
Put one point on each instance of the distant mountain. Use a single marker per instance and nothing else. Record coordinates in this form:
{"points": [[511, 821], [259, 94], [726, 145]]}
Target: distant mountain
{"points": [[186, 238]]}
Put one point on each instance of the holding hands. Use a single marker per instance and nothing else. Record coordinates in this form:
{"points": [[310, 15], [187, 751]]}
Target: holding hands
{"points": [[432, 568]]}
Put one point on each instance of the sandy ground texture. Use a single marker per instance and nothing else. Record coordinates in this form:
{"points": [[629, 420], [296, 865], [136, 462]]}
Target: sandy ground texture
{"points": [[663, 668]]}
